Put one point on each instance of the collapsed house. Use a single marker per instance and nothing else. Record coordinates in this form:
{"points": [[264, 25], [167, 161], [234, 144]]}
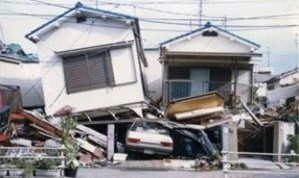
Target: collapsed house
{"points": [[96, 74], [97, 64], [281, 87], [26, 75]]}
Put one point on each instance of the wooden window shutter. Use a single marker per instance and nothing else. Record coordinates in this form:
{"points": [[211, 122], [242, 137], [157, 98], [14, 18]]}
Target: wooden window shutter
{"points": [[97, 71], [76, 74], [86, 72], [109, 70]]}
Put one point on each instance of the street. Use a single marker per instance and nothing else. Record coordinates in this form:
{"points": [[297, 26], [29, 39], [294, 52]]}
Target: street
{"points": [[116, 173]]}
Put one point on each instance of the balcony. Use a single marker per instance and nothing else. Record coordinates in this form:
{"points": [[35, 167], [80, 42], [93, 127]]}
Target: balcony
{"points": [[176, 89]]}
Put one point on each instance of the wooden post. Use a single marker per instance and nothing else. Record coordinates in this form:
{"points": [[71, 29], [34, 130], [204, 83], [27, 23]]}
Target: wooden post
{"points": [[236, 81], [225, 137], [110, 141]]}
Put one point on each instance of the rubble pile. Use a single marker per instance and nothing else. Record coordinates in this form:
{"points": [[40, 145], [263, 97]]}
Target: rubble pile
{"points": [[31, 129], [189, 129]]}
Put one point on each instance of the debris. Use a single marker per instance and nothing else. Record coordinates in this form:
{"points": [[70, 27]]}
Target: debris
{"points": [[94, 136], [199, 112], [119, 157], [41, 123], [179, 164], [4, 116], [66, 110], [208, 100], [21, 142], [85, 159], [244, 105], [90, 148], [51, 143], [10, 96]]}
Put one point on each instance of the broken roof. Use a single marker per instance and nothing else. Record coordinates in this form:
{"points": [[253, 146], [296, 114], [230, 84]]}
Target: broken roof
{"points": [[15, 59], [211, 26], [283, 75]]}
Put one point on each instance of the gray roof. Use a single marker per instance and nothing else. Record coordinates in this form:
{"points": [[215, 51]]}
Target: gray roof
{"points": [[283, 75], [205, 27], [262, 78], [79, 5]]}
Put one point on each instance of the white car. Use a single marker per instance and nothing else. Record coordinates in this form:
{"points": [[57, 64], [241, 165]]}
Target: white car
{"points": [[149, 138]]}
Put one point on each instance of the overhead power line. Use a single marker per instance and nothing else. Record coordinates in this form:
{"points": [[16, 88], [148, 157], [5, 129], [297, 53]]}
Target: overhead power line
{"points": [[211, 18], [196, 2], [168, 20], [232, 27]]}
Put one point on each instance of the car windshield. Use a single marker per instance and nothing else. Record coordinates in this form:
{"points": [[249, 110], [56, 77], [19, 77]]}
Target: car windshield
{"points": [[149, 127]]}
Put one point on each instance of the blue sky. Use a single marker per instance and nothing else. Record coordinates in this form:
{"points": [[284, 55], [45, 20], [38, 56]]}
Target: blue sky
{"points": [[281, 41]]}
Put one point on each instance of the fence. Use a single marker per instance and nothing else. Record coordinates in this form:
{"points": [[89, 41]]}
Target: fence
{"points": [[227, 163], [33, 154]]}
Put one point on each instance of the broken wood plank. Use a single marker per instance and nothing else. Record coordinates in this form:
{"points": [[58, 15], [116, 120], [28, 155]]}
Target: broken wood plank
{"points": [[41, 123], [93, 135], [252, 115], [41, 129], [199, 112], [97, 152]]}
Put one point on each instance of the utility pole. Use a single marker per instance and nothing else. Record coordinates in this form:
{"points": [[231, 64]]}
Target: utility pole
{"points": [[225, 22], [200, 13], [190, 24], [296, 45], [134, 9], [1, 29], [268, 56]]}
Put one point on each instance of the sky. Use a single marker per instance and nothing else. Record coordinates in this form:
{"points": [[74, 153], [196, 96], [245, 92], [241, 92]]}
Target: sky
{"points": [[271, 23]]}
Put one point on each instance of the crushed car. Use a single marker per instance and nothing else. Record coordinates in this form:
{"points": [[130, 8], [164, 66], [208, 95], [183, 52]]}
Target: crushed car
{"points": [[148, 138]]}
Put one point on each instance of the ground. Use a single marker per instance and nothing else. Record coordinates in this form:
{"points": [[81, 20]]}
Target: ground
{"points": [[117, 173]]}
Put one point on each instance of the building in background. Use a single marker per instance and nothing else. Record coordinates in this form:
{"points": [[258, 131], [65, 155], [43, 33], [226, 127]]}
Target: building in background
{"points": [[153, 73], [208, 59], [24, 74], [282, 86]]}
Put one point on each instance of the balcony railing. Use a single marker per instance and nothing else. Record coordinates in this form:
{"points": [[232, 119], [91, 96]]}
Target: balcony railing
{"points": [[176, 89]]}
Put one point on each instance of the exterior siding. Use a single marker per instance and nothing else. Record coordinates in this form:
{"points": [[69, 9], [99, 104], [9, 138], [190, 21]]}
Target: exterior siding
{"points": [[75, 37], [218, 44]]}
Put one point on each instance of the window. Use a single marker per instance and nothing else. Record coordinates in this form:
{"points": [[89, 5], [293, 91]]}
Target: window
{"points": [[88, 71], [81, 19], [210, 33], [271, 87]]}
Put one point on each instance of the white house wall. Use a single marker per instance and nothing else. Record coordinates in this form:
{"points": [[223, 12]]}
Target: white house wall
{"points": [[278, 96], [76, 36], [122, 63], [27, 77], [153, 73], [199, 43], [80, 35]]}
